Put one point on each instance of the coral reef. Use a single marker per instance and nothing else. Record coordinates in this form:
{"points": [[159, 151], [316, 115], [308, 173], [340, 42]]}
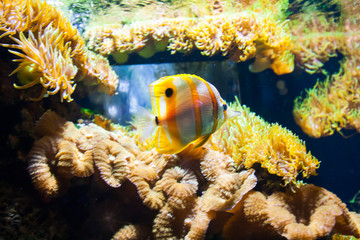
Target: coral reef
{"points": [[145, 10], [167, 183], [51, 51], [248, 139], [309, 213], [239, 36], [187, 191], [226, 187]]}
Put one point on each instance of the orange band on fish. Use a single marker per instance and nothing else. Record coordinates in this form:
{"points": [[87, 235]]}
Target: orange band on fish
{"points": [[196, 102], [215, 106]]}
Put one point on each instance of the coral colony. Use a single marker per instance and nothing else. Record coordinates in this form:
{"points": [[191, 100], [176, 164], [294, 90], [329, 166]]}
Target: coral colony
{"points": [[52, 53]]}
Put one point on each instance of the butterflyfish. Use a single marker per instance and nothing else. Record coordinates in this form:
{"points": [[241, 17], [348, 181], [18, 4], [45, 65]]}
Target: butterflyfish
{"points": [[186, 110]]}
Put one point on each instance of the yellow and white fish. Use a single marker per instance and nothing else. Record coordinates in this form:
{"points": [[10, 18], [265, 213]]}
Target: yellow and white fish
{"points": [[186, 110]]}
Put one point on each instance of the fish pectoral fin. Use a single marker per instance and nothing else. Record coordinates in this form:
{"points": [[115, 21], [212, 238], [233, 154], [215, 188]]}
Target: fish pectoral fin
{"points": [[201, 141], [144, 121], [164, 143]]}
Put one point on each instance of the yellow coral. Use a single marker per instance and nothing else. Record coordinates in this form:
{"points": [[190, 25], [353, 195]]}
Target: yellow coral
{"points": [[55, 68], [52, 51], [316, 38], [331, 105], [97, 69], [240, 36], [248, 139]]}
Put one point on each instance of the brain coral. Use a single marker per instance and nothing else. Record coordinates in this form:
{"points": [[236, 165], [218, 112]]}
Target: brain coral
{"points": [[198, 191], [309, 213], [168, 184]]}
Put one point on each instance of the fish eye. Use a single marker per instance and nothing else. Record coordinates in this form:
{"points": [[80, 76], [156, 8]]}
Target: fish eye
{"points": [[169, 92], [225, 107]]}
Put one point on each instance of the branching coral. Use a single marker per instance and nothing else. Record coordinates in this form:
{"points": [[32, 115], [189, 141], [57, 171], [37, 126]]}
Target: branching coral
{"points": [[239, 36], [52, 53], [248, 139], [309, 213]]}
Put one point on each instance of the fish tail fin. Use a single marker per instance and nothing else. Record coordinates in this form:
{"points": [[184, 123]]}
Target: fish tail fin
{"points": [[144, 121]]}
